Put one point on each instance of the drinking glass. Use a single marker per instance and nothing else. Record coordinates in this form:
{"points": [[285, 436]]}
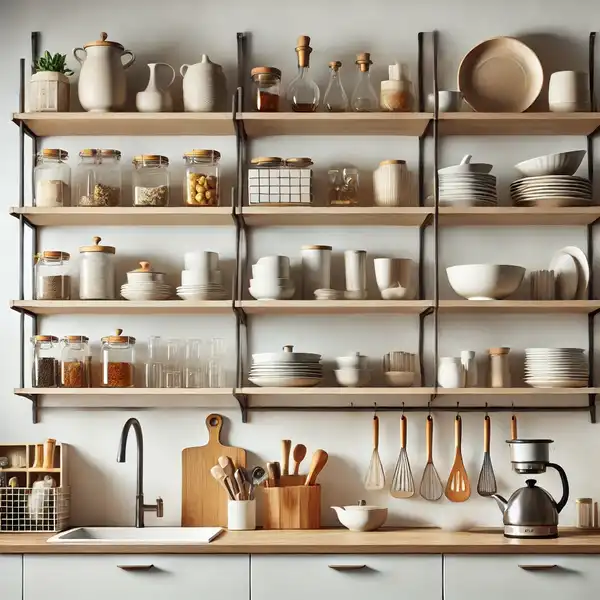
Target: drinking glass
{"points": [[194, 372], [216, 363], [153, 373], [172, 366]]}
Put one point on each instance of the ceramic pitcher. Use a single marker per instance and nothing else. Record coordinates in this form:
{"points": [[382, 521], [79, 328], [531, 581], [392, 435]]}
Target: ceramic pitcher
{"points": [[102, 86], [153, 98], [203, 86]]}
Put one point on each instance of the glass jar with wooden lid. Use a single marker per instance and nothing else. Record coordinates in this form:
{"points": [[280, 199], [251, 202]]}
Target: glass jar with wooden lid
{"points": [[75, 362], [52, 278], [150, 180], [201, 184], [117, 355], [52, 178], [97, 271], [267, 88], [45, 361], [110, 176]]}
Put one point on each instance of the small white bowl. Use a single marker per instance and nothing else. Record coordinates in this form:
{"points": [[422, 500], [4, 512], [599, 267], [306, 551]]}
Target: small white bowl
{"points": [[399, 378], [561, 163], [361, 518], [263, 292], [352, 377]]}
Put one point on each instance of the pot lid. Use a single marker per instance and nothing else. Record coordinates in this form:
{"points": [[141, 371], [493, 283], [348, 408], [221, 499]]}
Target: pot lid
{"points": [[522, 441], [287, 355], [118, 338], [54, 255], [97, 248], [104, 42], [44, 338]]}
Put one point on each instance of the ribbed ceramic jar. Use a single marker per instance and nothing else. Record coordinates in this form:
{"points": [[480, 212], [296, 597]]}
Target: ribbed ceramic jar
{"points": [[391, 183]]}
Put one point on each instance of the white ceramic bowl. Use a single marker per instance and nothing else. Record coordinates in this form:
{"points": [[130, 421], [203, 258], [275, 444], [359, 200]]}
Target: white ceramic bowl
{"points": [[448, 101], [485, 282], [361, 518], [352, 377], [352, 361], [399, 378], [266, 290], [562, 163]]}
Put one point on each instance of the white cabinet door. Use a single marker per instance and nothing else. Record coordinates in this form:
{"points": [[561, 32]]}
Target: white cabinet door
{"points": [[521, 577], [11, 577], [351, 577], [135, 577]]}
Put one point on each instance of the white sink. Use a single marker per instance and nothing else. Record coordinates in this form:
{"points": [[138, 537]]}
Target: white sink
{"points": [[133, 535]]}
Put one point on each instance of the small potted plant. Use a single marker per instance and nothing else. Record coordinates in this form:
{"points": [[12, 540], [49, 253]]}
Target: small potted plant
{"points": [[49, 85]]}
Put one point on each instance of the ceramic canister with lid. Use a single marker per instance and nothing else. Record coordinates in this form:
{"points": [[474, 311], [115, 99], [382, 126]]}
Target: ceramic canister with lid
{"points": [[97, 272], [391, 183], [316, 270]]}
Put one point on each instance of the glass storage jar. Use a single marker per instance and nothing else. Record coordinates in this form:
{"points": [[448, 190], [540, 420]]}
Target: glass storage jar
{"points": [[52, 279], [97, 272], [45, 364], [117, 356], [267, 88], [75, 362], [85, 177], [110, 178], [201, 185], [52, 177], [150, 180]]}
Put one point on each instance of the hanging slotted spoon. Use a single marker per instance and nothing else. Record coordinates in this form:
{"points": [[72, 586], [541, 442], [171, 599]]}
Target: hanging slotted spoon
{"points": [[375, 478], [486, 486], [431, 484], [403, 485], [458, 487]]}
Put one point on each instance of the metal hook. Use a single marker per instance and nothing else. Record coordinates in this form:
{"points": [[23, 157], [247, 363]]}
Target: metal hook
{"points": [[403, 409], [375, 409], [458, 409], [429, 407], [486, 410]]}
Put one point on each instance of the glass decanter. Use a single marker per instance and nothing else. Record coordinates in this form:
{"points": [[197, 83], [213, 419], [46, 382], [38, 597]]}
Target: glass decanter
{"points": [[364, 98], [303, 93], [335, 99]]}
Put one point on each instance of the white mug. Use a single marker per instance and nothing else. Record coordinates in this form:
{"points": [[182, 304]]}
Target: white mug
{"points": [[396, 273], [275, 267], [204, 261], [241, 515], [450, 372], [200, 277], [355, 262], [568, 91]]}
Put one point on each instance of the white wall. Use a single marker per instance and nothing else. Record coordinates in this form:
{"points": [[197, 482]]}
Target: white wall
{"points": [[103, 491]]}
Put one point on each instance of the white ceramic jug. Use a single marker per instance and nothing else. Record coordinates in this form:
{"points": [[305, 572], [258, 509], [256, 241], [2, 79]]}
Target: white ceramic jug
{"points": [[102, 86], [153, 98], [203, 86]]}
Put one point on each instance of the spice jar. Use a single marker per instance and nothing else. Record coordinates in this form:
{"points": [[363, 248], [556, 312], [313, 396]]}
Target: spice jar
{"points": [[201, 184], [45, 363], [585, 513], [52, 177], [52, 279], [343, 186], [267, 84], [110, 178], [97, 272], [150, 180], [499, 367], [75, 362], [117, 356]]}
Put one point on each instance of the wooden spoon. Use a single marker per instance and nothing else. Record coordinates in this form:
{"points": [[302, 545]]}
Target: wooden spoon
{"points": [[513, 428], [218, 473], [286, 446], [458, 488], [319, 460], [298, 455]]}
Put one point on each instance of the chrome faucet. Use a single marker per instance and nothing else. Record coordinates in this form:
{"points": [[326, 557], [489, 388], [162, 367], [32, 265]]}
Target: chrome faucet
{"points": [[140, 507]]}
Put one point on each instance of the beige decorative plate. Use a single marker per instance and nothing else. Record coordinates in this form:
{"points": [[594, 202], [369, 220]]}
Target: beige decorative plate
{"points": [[500, 75]]}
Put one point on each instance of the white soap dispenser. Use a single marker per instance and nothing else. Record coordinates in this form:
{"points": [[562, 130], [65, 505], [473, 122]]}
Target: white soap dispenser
{"points": [[397, 92]]}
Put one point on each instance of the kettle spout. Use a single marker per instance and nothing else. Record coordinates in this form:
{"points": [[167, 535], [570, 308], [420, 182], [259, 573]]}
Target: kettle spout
{"points": [[338, 509], [500, 501]]}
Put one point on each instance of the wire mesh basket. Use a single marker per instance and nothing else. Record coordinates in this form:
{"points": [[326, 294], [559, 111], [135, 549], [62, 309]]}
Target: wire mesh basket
{"points": [[30, 510]]}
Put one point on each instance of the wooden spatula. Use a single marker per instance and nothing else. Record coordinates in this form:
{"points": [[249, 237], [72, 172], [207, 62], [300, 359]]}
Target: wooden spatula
{"points": [[458, 488], [319, 460]]}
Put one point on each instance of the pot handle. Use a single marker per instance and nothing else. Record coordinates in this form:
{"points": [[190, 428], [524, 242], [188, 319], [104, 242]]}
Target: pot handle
{"points": [[565, 483], [129, 53], [172, 71], [77, 58], [183, 69]]}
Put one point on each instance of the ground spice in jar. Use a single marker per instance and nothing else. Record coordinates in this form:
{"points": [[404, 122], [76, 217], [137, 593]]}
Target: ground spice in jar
{"points": [[45, 372], [117, 374], [54, 287], [75, 374], [151, 196], [267, 102], [103, 195]]}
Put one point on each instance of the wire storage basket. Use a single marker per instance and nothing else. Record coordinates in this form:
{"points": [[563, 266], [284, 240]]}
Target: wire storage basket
{"points": [[33, 510]]}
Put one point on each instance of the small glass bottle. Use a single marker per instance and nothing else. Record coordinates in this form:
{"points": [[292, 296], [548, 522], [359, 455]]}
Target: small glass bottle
{"points": [[52, 279], [364, 98], [335, 99], [118, 360], [303, 93], [585, 513], [267, 88], [75, 362], [150, 179], [201, 185], [45, 364], [52, 176]]}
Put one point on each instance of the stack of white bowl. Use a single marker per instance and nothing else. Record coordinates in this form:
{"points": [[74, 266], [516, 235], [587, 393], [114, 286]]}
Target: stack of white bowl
{"points": [[556, 367], [400, 368], [286, 369], [201, 279], [396, 278], [467, 184], [145, 284], [271, 279], [352, 370]]}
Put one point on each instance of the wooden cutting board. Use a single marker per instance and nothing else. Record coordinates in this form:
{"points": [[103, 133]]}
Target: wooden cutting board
{"points": [[204, 501]]}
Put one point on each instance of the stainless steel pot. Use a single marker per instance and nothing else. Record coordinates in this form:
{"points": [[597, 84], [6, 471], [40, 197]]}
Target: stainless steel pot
{"points": [[529, 456]]}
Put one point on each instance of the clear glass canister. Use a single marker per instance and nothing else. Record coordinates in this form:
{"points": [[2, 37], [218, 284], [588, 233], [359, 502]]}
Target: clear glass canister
{"points": [[45, 361], [75, 362], [97, 272], [201, 185], [110, 177], [118, 360], [52, 177], [52, 279], [150, 180], [267, 88], [85, 177]]}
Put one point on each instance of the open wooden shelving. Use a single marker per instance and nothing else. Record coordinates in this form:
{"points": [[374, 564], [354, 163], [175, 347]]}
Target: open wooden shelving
{"points": [[519, 306], [516, 216], [516, 391], [336, 391], [334, 307]]}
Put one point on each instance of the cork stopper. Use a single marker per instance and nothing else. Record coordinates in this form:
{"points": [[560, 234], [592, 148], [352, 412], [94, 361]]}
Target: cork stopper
{"points": [[335, 65], [363, 60], [303, 50]]}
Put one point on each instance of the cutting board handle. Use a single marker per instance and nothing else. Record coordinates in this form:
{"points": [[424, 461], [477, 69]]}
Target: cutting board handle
{"points": [[214, 423]]}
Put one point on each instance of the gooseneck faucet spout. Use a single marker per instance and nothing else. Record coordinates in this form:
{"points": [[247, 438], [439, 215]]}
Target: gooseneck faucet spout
{"points": [[140, 507]]}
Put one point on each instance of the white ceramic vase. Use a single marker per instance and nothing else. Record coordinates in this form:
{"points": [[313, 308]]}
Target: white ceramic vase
{"points": [[48, 92], [450, 372], [355, 262], [203, 86], [153, 98], [316, 270], [391, 184]]}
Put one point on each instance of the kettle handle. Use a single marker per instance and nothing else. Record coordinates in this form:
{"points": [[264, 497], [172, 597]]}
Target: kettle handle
{"points": [[563, 478], [79, 59]]}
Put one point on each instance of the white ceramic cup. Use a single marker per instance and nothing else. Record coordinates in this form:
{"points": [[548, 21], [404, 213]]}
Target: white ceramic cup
{"points": [[274, 267], [203, 261], [450, 372], [391, 183], [396, 273], [448, 101], [316, 270], [469, 364], [241, 515], [355, 263], [568, 91]]}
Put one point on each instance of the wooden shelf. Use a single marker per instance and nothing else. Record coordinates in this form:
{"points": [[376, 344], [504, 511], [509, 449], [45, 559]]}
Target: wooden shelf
{"points": [[122, 307], [330, 216], [465, 123], [290, 123], [126, 216], [519, 306], [511, 216], [84, 123], [124, 391], [333, 307], [524, 391], [336, 391]]}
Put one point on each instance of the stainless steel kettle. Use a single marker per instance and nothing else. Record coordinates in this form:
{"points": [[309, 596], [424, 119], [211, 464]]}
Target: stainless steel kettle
{"points": [[531, 512]]}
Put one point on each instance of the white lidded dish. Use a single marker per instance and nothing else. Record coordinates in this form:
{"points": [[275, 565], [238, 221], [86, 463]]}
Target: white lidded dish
{"points": [[286, 356], [97, 272]]}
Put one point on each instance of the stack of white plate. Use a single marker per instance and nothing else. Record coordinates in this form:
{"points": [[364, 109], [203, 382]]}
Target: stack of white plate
{"points": [[467, 189], [551, 190], [286, 369], [209, 291], [146, 291], [556, 367]]}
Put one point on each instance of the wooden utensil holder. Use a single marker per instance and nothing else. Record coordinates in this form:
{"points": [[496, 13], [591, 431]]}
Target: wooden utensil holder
{"points": [[292, 505]]}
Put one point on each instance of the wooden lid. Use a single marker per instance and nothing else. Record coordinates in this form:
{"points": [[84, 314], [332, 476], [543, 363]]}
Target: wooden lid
{"points": [[302, 161], [54, 255], [303, 41], [110, 153], [44, 338], [118, 338], [88, 152], [55, 153], [335, 64], [104, 42], [145, 267], [317, 247], [498, 351], [213, 154], [75, 339], [97, 248], [364, 57], [150, 159], [272, 72], [274, 161], [392, 161]]}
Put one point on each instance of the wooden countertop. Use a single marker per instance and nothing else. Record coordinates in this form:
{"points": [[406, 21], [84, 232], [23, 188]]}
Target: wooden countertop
{"points": [[327, 541]]}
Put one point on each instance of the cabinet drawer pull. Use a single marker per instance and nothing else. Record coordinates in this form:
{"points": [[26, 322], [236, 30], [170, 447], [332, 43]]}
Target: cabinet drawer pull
{"points": [[347, 567], [136, 567], [538, 567]]}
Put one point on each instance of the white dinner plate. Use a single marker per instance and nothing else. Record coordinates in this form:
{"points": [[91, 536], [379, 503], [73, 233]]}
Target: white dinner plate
{"points": [[566, 272]]}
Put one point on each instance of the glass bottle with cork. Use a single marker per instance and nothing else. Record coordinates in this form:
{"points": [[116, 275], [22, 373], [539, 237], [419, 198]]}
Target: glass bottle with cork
{"points": [[75, 362], [303, 93], [364, 98], [118, 360], [267, 84], [335, 99]]}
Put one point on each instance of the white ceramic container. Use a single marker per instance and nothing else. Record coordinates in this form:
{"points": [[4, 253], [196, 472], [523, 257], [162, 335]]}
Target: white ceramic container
{"points": [[485, 282], [391, 183], [102, 86], [353, 361], [48, 92], [448, 101], [361, 518], [396, 274], [154, 98], [469, 364], [352, 377], [203, 86], [274, 267], [316, 269], [568, 91], [241, 515], [201, 261], [450, 372], [355, 262], [200, 278]]}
